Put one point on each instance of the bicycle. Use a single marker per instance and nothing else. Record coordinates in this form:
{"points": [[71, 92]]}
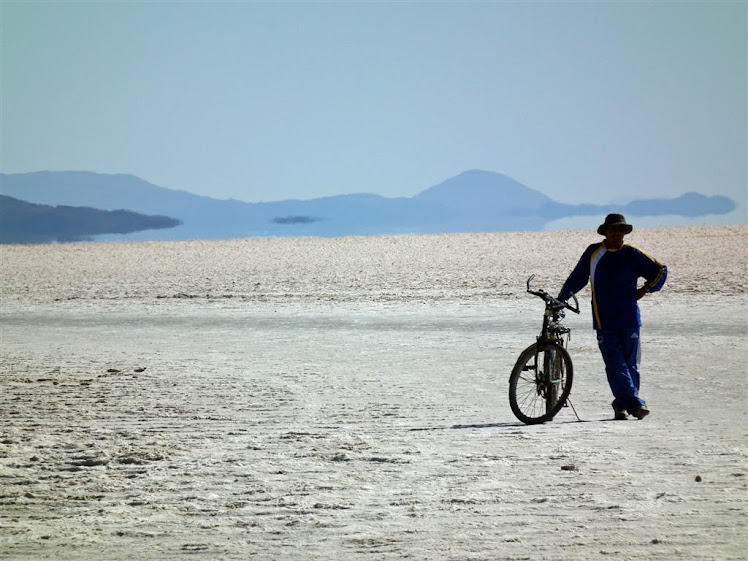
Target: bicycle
{"points": [[541, 379]]}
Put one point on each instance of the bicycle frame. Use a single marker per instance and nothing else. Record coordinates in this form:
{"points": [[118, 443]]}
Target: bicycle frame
{"points": [[541, 379], [552, 329]]}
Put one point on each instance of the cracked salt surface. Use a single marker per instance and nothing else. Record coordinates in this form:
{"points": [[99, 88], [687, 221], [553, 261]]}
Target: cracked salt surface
{"points": [[311, 399]]}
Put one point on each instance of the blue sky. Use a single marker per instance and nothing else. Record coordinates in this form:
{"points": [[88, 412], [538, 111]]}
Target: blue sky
{"points": [[586, 101]]}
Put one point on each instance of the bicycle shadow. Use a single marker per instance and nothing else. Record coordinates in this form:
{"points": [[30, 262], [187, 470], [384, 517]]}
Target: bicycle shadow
{"points": [[472, 426], [513, 425]]}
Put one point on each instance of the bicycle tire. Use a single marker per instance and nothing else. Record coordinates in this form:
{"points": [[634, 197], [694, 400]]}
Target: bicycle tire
{"points": [[553, 366], [532, 398]]}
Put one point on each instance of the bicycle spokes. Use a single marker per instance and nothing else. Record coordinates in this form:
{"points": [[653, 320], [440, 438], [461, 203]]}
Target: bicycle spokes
{"points": [[540, 382]]}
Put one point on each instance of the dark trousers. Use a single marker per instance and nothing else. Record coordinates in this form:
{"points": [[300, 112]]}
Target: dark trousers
{"points": [[621, 350]]}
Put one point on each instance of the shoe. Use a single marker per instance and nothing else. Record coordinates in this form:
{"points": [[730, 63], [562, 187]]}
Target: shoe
{"points": [[641, 412], [620, 415]]}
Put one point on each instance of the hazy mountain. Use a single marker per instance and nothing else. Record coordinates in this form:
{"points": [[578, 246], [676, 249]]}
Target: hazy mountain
{"points": [[24, 222], [690, 204], [487, 201], [470, 202]]}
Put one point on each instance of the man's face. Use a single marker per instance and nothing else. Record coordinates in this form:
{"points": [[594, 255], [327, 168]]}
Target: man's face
{"points": [[614, 236]]}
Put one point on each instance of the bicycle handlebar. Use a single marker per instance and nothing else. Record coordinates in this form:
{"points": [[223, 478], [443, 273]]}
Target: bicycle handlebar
{"points": [[550, 300]]}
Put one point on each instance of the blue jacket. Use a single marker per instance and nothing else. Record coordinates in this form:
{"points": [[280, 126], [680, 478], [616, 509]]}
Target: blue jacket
{"points": [[613, 277]]}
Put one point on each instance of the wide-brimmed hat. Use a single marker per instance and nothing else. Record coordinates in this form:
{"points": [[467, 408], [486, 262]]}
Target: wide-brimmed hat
{"points": [[614, 220]]}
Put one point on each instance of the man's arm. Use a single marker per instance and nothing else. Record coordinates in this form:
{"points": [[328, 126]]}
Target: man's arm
{"points": [[578, 278], [653, 272]]}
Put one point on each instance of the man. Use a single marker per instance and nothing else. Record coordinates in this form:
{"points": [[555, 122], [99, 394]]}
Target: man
{"points": [[613, 269]]}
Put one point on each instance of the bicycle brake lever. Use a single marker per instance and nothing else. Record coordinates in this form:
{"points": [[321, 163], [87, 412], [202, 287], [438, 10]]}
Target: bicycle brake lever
{"points": [[575, 309]]}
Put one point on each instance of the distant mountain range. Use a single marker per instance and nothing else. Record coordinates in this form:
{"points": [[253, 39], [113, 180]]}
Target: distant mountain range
{"points": [[23, 222], [474, 201]]}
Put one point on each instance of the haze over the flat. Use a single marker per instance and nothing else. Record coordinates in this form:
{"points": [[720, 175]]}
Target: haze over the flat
{"points": [[587, 102]]}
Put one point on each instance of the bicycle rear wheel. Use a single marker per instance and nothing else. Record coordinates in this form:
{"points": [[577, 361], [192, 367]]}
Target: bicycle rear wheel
{"points": [[540, 382]]}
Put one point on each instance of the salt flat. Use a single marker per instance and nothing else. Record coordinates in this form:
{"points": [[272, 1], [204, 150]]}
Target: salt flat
{"points": [[347, 398]]}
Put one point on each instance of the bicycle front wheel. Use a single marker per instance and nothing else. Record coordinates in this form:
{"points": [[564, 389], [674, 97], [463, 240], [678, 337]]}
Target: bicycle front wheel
{"points": [[540, 382]]}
